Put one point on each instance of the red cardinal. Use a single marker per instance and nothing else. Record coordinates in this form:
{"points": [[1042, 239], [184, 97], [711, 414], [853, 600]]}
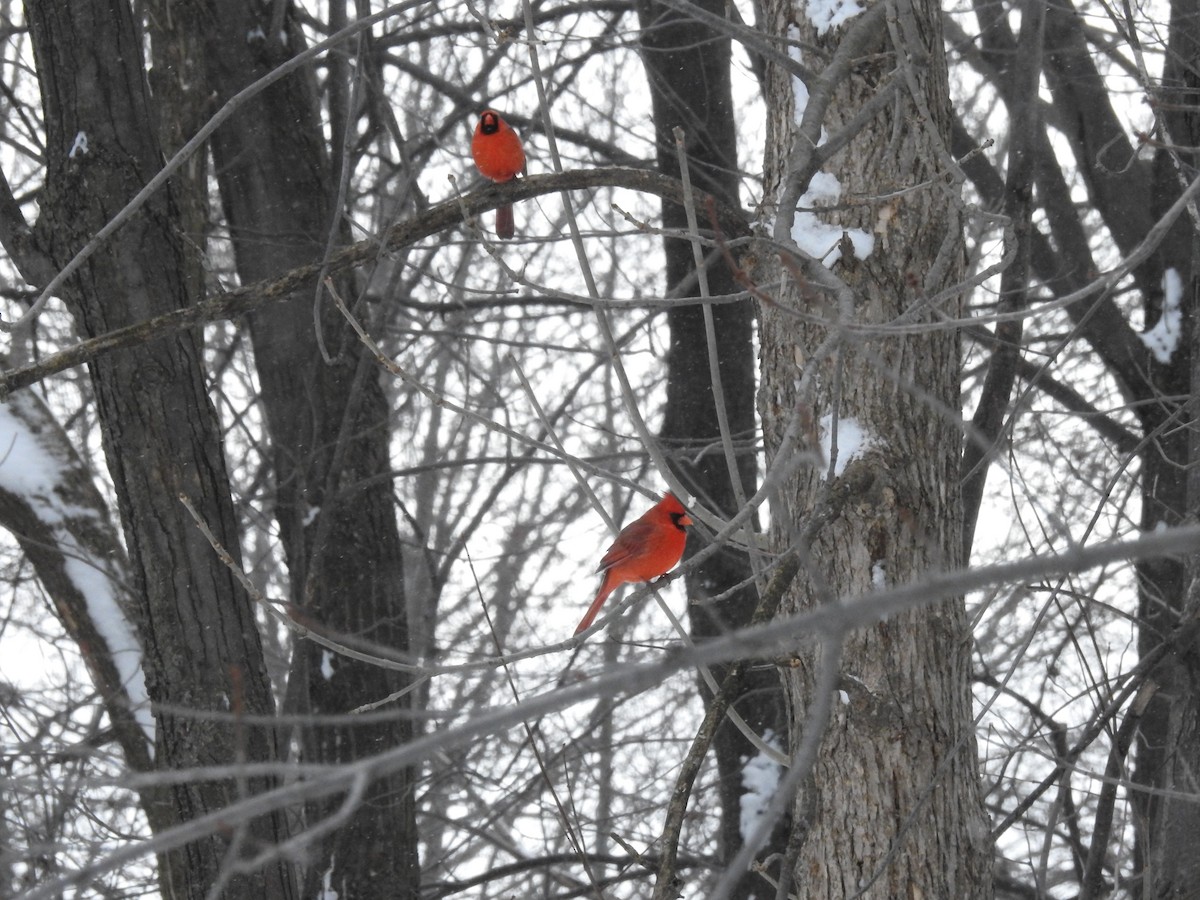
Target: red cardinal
{"points": [[499, 156], [645, 549]]}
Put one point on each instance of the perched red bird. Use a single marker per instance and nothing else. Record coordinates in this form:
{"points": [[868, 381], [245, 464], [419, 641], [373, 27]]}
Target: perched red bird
{"points": [[499, 156], [645, 548]]}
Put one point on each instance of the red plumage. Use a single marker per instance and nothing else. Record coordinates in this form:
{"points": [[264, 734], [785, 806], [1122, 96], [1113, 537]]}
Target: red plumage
{"points": [[646, 548], [500, 157]]}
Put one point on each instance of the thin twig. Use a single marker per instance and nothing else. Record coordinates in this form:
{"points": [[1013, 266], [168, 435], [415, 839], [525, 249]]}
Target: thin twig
{"points": [[444, 216], [763, 641], [198, 140]]}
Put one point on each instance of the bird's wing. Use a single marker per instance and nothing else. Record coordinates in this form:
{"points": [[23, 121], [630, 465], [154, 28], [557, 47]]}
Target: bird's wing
{"points": [[631, 539]]}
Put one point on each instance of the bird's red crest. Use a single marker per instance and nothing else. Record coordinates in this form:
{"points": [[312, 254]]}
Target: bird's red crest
{"points": [[671, 503]]}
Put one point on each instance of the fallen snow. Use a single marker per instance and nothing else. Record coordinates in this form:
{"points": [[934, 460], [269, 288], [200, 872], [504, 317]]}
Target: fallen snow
{"points": [[799, 88], [1163, 338], [327, 892], [852, 440], [816, 238], [28, 471], [879, 574], [80, 146], [820, 239], [760, 779], [827, 14]]}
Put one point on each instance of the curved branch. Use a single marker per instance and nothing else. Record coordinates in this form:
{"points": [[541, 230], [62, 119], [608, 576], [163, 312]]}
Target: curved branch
{"points": [[1038, 377], [1116, 180], [1102, 324], [988, 424], [17, 238], [64, 528], [445, 215]]}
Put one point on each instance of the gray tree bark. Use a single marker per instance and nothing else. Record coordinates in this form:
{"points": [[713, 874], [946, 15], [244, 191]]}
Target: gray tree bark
{"points": [[203, 659], [330, 430], [1168, 749], [892, 805]]}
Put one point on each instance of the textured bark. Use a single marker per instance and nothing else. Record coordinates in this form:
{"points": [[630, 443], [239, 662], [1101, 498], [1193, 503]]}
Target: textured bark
{"points": [[687, 64], [161, 435], [74, 524], [1168, 748], [892, 807], [330, 430]]}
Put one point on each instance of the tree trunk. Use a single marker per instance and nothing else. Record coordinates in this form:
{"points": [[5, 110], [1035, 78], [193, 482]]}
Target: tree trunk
{"points": [[203, 658], [330, 429], [1168, 747], [687, 66], [892, 807]]}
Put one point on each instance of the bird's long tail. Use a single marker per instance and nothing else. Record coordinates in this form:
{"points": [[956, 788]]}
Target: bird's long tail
{"points": [[601, 595], [506, 225]]}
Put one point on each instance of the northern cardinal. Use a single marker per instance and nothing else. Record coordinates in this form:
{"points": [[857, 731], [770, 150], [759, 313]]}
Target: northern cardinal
{"points": [[499, 156], [645, 548]]}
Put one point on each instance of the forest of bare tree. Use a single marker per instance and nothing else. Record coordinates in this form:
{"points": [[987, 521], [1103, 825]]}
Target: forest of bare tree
{"points": [[305, 471]]}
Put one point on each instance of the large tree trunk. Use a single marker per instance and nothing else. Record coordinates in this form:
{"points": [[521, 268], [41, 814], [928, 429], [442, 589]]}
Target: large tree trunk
{"points": [[203, 657], [892, 807], [687, 65], [330, 430], [1168, 746]]}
